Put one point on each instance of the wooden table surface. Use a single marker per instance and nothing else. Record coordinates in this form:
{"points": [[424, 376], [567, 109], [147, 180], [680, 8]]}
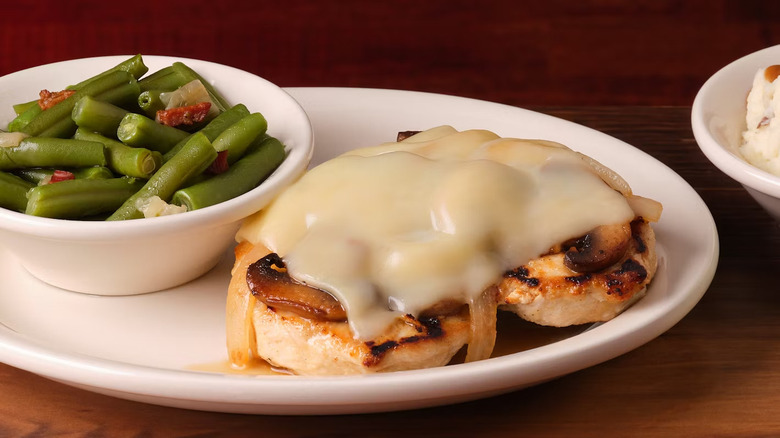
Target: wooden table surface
{"points": [[716, 373]]}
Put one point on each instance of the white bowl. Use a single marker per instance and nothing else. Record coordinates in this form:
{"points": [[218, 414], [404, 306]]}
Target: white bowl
{"points": [[146, 255], [718, 120]]}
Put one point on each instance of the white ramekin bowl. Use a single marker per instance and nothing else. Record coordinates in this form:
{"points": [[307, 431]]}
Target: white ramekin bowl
{"points": [[718, 120], [146, 255]]}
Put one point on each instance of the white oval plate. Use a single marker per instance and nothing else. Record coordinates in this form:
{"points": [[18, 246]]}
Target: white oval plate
{"points": [[143, 347]]}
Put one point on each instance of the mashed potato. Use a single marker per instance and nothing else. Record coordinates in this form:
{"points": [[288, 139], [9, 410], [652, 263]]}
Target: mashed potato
{"points": [[761, 140]]}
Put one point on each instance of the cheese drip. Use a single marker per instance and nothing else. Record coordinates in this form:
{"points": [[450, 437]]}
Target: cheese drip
{"points": [[395, 228]]}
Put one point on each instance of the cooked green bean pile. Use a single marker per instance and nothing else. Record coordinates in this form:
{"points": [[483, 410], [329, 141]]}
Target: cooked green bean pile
{"points": [[107, 147]]}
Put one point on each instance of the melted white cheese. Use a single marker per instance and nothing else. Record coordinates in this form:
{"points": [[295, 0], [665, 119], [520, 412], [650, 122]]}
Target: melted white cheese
{"points": [[395, 228]]}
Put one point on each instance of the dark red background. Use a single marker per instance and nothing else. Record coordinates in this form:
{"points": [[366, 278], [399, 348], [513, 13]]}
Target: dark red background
{"points": [[550, 52]]}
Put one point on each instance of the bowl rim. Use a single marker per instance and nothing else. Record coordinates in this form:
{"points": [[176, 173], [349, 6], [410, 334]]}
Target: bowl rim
{"points": [[232, 210], [726, 161]]}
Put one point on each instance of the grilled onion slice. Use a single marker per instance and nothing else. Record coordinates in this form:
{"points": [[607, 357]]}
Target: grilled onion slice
{"points": [[483, 311]]}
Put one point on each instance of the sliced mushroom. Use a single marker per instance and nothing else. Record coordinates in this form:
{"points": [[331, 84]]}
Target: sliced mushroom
{"points": [[269, 282], [600, 248], [403, 135]]}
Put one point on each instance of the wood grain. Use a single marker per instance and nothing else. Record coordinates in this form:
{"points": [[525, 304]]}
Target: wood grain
{"points": [[716, 373]]}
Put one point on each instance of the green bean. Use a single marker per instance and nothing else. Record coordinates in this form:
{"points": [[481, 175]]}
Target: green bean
{"points": [[135, 66], [44, 123], [224, 120], [37, 175], [97, 116], [123, 159], [192, 160], [125, 95], [13, 192], [165, 79], [140, 131], [240, 178], [27, 110], [237, 138], [52, 152], [94, 172], [189, 75], [214, 127], [34, 175], [61, 129], [176, 148], [157, 74], [80, 197], [121, 95], [20, 121], [149, 102], [19, 108]]}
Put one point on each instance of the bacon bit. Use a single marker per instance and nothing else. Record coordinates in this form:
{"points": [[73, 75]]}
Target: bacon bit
{"points": [[220, 164], [771, 73], [764, 122], [49, 99], [184, 115], [61, 175]]}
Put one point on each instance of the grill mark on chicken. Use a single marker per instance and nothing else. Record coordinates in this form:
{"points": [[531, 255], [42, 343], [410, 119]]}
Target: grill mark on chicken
{"points": [[429, 328], [521, 273], [639, 245], [578, 279], [630, 272], [377, 351]]}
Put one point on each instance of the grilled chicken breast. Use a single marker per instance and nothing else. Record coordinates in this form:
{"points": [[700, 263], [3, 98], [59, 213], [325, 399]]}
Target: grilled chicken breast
{"points": [[307, 346], [413, 239], [547, 292], [544, 291], [300, 337]]}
